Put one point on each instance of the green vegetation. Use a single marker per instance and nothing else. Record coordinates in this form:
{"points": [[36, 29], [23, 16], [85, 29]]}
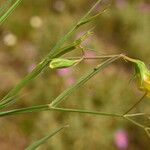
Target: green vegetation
{"points": [[97, 86]]}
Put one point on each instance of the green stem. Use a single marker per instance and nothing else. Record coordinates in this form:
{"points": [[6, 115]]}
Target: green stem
{"points": [[25, 110], [10, 10], [128, 58], [135, 104], [95, 57], [137, 114], [134, 122], [85, 112], [38, 143], [48, 107]]}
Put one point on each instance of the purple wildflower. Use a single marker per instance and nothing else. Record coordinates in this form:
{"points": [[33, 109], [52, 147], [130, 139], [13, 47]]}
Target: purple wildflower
{"points": [[121, 139]]}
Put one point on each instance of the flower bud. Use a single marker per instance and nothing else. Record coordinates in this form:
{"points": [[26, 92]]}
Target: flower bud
{"points": [[63, 63]]}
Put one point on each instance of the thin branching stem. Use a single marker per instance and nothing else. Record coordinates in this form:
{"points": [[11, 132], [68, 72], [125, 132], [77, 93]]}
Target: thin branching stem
{"points": [[134, 122], [47, 107], [94, 57], [86, 112], [41, 141], [135, 104], [136, 114]]}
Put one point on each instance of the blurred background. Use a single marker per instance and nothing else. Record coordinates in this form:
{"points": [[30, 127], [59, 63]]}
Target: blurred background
{"points": [[30, 33]]}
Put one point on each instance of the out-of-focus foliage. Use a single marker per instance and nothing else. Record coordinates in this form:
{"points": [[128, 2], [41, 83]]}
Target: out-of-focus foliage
{"points": [[29, 34]]}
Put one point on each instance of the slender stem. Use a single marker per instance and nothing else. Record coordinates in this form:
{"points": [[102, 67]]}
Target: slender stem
{"points": [[134, 122], [9, 11], [90, 11], [137, 114], [25, 110], [48, 107], [135, 104], [36, 144], [86, 112], [94, 57], [128, 58]]}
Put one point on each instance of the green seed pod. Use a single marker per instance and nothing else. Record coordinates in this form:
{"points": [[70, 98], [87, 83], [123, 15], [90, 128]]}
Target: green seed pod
{"points": [[63, 63]]}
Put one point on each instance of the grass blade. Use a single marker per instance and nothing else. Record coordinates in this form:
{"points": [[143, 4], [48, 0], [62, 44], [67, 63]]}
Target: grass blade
{"points": [[25, 110], [46, 107], [38, 143], [86, 112], [9, 11]]}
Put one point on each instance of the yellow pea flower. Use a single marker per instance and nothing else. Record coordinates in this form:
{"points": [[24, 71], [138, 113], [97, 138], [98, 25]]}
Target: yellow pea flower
{"points": [[142, 74]]}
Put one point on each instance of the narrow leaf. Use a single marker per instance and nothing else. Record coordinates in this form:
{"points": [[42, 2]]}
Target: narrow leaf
{"points": [[9, 11], [38, 143], [47, 107]]}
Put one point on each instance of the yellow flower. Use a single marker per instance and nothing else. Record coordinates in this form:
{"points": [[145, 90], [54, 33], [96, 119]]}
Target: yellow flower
{"points": [[143, 76]]}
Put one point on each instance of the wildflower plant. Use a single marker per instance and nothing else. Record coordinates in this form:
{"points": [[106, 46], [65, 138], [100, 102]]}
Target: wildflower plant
{"points": [[55, 60]]}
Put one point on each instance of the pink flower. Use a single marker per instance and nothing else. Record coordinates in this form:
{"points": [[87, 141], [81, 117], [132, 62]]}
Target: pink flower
{"points": [[64, 72], [121, 139]]}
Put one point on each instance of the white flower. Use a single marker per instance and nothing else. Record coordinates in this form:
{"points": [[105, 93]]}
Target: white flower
{"points": [[36, 22], [10, 39]]}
